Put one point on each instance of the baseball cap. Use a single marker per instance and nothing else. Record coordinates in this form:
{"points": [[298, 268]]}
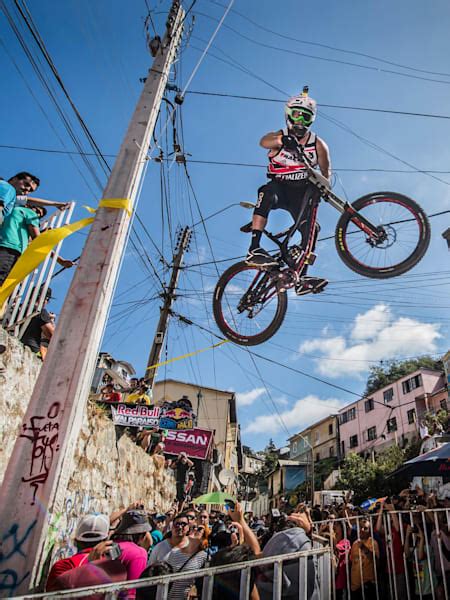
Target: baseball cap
{"points": [[92, 528], [160, 517], [133, 521]]}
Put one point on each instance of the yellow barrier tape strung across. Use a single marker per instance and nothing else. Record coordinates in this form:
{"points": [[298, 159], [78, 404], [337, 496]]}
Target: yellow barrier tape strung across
{"points": [[38, 248], [171, 360]]}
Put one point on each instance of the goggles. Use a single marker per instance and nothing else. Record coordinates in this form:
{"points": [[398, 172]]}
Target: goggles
{"points": [[300, 115]]}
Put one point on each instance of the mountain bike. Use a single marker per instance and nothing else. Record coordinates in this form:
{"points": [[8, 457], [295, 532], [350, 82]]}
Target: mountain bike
{"points": [[381, 235]]}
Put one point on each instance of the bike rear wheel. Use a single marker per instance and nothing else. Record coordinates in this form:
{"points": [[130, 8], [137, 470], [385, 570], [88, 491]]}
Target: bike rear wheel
{"points": [[248, 307], [407, 236]]}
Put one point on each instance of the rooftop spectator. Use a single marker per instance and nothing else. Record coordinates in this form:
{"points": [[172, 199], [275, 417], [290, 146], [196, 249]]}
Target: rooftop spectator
{"points": [[21, 224], [14, 192], [40, 327], [109, 394], [140, 396]]}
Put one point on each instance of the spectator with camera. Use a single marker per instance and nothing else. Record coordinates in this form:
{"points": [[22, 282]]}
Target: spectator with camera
{"points": [[117, 559], [290, 533], [181, 553]]}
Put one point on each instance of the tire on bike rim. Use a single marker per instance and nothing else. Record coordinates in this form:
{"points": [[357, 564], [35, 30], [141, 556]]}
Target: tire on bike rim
{"points": [[227, 331], [392, 270]]}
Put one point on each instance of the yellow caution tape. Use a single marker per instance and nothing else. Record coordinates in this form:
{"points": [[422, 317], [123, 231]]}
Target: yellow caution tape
{"points": [[121, 203], [38, 248], [171, 360]]}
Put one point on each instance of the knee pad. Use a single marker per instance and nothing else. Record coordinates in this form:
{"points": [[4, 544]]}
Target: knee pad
{"points": [[266, 200]]}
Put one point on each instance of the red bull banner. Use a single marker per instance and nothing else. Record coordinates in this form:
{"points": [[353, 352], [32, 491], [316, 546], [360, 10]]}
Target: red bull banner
{"points": [[153, 416], [196, 443]]}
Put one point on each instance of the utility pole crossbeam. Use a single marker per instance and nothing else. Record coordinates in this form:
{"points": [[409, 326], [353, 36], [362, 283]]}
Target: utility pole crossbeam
{"points": [[35, 481], [169, 296]]}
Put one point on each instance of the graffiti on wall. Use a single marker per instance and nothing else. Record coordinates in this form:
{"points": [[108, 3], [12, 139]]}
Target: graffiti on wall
{"points": [[62, 525]]}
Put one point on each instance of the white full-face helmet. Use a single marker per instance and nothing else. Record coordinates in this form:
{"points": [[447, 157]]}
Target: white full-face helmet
{"points": [[300, 112]]}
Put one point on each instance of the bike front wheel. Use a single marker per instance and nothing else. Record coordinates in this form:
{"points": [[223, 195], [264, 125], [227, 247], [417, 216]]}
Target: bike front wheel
{"points": [[406, 229], [247, 304]]}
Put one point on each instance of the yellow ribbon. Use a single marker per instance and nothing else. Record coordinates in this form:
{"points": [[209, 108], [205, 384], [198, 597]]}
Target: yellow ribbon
{"points": [[171, 360], [38, 248]]}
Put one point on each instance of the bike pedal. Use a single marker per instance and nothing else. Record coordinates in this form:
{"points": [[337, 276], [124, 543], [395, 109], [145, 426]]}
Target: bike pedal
{"points": [[311, 259]]}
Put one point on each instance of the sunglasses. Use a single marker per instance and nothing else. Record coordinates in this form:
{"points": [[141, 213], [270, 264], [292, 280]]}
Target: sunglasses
{"points": [[301, 116], [181, 524], [198, 529], [190, 517]]}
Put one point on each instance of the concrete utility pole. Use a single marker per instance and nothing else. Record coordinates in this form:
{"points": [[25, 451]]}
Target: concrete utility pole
{"points": [[36, 478], [169, 296]]}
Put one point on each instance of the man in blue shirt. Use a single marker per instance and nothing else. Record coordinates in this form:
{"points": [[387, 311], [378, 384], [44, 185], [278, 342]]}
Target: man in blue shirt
{"points": [[14, 193], [21, 224]]}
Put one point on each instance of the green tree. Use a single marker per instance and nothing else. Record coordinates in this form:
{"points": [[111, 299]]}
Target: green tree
{"points": [[358, 475], [367, 478], [382, 375]]}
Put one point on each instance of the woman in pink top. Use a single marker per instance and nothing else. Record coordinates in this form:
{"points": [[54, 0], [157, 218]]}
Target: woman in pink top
{"points": [[342, 551]]}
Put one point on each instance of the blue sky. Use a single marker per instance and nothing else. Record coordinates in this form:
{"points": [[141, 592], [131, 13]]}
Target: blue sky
{"points": [[99, 49]]}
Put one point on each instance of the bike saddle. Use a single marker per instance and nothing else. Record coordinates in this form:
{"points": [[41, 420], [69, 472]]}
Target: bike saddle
{"points": [[246, 228]]}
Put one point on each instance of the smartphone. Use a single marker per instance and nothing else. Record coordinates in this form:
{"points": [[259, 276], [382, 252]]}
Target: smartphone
{"points": [[230, 504], [114, 552], [276, 513]]}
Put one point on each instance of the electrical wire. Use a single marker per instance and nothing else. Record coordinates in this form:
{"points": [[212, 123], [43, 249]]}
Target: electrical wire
{"points": [[328, 46]]}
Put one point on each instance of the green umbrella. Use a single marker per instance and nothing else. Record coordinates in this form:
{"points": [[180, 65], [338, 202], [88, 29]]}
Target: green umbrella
{"points": [[215, 498]]}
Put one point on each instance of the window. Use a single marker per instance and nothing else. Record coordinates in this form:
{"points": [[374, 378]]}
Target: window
{"points": [[330, 429], [411, 414], [331, 451], [343, 448], [371, 434], [368, 405], [388, 395], [443, 404], [294, 447], [348, 415], [391, 424], [318, 457], [316, 437], [353, 441], [411, 384]]}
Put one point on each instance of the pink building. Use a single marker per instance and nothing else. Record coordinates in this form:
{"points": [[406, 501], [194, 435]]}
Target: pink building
{"points": [[392, 414]]}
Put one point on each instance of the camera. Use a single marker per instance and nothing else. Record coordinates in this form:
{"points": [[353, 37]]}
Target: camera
{"points": [[114, 552]]}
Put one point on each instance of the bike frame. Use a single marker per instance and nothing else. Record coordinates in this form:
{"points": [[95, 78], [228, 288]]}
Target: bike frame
{"points": [[323, 190]]}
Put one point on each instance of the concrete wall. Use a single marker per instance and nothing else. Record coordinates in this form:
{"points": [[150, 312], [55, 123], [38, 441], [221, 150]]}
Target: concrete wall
{"points": [[105, 475]]}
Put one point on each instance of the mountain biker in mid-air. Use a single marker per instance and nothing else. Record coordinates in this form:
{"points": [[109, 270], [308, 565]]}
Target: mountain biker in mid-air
{"points": [[289, 189]]}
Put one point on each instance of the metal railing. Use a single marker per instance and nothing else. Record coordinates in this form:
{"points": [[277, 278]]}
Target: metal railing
{"points": [[404, 568], [28, 297], [272, 567]]}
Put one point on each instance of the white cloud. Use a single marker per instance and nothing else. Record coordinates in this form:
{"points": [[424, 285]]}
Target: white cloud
{"points": [[247, 398], [374, 335], [305, 411]]}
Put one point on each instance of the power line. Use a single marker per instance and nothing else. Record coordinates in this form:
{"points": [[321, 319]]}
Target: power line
{"points": [[226, 163], [27, 18], [323, 58], [329, 47], [340, 106]]}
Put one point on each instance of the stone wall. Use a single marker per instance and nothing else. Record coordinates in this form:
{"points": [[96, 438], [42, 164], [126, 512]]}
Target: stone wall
{"points": [[105, 476]]}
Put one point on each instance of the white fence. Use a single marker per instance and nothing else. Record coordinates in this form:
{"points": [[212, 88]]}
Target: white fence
{"points": [[28, 297], [301, 563], [413, 562]]}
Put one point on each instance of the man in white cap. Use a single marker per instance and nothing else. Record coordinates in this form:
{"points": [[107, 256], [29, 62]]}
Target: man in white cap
{"points": [[118, 560]]}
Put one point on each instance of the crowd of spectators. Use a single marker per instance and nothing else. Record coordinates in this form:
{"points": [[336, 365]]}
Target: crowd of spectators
{"points": [[133, 543], [399, 548]]}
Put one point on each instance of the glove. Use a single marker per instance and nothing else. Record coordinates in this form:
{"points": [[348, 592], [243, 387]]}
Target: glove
{"points": [[289, 142]]}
